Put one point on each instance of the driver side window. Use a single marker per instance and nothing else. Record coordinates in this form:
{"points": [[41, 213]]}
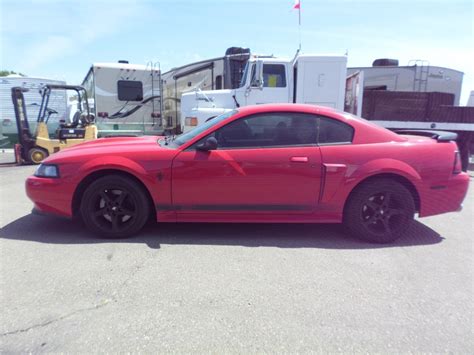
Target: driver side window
{"points": [[267, 130]]}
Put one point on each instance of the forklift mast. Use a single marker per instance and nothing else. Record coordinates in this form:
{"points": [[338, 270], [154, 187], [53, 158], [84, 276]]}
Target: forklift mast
{"points": [[25, 138]]}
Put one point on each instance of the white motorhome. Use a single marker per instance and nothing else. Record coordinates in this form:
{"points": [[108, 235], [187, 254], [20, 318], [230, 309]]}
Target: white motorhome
{"points": [[312, 79], [125, 98], [58, 102]]}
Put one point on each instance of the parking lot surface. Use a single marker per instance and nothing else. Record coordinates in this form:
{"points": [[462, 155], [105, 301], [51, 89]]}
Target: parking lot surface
{"points": [[231, 288]]}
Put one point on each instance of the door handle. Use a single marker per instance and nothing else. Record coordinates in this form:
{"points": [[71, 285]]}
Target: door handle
{"points": [[299, 159]]}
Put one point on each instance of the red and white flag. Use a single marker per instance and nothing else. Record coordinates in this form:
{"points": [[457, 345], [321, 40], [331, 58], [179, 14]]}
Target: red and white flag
{"points": [[297, 5]]}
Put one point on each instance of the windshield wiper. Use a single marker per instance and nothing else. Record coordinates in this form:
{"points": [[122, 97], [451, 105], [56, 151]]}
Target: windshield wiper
{"points": [[169, 139]]}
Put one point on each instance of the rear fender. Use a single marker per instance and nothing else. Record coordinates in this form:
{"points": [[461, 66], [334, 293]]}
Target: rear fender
{"points": [[351, 176]]}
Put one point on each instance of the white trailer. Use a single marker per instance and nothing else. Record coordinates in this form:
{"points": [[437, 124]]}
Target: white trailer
{"points": [[311, 79], [125, 98]]}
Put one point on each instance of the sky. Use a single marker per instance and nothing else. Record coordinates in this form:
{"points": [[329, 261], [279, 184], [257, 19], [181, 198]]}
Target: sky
{"points": [[61, 39]]}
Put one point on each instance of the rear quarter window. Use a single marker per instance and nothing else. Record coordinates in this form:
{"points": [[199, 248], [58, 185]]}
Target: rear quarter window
{"points": [[332, 131]]}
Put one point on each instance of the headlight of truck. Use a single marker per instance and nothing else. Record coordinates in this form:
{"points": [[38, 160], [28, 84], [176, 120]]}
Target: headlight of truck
{"points": [[47, 170]]}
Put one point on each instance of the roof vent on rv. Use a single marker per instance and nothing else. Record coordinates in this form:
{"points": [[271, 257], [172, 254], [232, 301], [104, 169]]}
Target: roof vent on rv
{"points": [[385, 62], [123, 61]]}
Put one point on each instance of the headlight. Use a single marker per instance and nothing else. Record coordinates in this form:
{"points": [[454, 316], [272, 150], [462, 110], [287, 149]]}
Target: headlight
{"points": [[47, 170]]}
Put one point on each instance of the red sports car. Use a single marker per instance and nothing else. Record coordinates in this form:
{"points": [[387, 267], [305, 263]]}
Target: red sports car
{"points": [[265, 163]]}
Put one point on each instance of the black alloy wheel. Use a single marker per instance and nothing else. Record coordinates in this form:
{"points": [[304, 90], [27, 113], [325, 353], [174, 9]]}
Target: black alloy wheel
{"points": [[379, 211], [114, 206], [382, 213]]}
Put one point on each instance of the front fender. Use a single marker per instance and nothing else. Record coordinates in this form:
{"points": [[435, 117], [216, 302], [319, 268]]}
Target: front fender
{"points": [[115, 163]]}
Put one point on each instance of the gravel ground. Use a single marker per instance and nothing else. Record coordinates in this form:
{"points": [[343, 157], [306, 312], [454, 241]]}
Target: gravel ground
{"points": [[231, 288]]}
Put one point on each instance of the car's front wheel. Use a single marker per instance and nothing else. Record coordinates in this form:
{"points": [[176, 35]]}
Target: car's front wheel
{"points": [[114, 206], [379, 211]]}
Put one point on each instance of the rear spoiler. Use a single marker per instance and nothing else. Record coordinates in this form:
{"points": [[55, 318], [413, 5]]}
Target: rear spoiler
{"points": [[440, 136]]}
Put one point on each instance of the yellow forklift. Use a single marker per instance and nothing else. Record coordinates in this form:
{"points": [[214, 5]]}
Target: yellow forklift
{"points": [[33, 148]]}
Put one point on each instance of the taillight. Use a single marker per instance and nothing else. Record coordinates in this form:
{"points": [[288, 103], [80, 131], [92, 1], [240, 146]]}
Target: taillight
{"points": [[191, 121], [457, 168]]}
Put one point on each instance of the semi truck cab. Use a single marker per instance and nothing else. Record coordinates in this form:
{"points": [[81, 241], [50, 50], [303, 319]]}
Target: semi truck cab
{"points": [[318, 80]]}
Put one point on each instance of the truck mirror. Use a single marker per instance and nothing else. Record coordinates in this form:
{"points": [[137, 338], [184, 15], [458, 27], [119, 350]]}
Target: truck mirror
{"points": [[257, 78]]}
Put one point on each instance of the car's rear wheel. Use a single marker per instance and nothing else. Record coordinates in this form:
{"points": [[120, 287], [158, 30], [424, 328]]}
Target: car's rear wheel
{"points": [[114, 206], [379, 211]]}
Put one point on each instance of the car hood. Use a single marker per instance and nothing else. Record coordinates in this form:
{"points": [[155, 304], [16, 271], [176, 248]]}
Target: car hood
{"points": [[110, 142], [109, 146]]}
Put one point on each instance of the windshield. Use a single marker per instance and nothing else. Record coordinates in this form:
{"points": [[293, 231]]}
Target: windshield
{"points": [[184, 138], [244, 75]]}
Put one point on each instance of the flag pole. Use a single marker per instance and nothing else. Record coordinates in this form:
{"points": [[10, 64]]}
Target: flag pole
{"points": [[297, 6], [299, 23]]}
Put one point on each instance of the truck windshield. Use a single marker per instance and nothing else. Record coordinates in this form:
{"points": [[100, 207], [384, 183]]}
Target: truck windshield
{"points": [[186, 137], [244, 75]]}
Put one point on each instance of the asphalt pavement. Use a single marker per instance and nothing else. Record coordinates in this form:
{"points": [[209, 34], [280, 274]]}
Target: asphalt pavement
{"points": [[231, 288]]}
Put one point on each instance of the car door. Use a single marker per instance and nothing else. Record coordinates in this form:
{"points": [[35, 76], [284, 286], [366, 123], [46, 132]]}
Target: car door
{"points": [[338, 158], [265, 163]]}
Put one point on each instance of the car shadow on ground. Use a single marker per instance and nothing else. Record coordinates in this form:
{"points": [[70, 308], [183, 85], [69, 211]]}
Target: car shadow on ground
{"points": [[326, 236]]}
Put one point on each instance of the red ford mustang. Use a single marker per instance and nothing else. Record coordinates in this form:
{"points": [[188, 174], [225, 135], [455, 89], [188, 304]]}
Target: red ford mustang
{"points": [[266, 163]]}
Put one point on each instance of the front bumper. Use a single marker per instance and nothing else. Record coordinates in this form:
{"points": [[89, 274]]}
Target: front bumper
{"points": [[50, 196]]}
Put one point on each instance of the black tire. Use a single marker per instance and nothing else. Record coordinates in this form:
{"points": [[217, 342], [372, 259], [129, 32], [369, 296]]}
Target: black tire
{"points": [[36, 155], [114, 206], [379, 211]]}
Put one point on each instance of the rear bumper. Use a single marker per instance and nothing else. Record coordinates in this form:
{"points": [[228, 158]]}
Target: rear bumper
{"points": [[50, 196], [444, 197]]}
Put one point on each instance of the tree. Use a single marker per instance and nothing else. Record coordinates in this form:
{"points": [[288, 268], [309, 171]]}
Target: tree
{"points": [[8, 72]]}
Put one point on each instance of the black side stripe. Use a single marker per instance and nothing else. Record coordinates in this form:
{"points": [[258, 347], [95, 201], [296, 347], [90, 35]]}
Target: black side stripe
{"points": [[234, 207]]}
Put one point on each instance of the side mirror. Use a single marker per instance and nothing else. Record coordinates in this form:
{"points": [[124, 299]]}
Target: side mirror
{"points": [[257, 79], [209, 144]]}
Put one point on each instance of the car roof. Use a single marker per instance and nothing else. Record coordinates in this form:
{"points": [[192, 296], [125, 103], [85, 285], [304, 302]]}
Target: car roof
{"points": [[288, 107], [367, 132]]}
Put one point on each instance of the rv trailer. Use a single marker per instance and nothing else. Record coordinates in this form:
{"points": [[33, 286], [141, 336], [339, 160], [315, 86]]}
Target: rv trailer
{"points": [[125, 98], [417, 76]]}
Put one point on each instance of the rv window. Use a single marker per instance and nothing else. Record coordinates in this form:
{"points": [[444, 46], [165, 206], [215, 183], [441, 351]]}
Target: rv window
{"points": [[274, 76], [129, 90], [219, 82], [88, 84]]}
